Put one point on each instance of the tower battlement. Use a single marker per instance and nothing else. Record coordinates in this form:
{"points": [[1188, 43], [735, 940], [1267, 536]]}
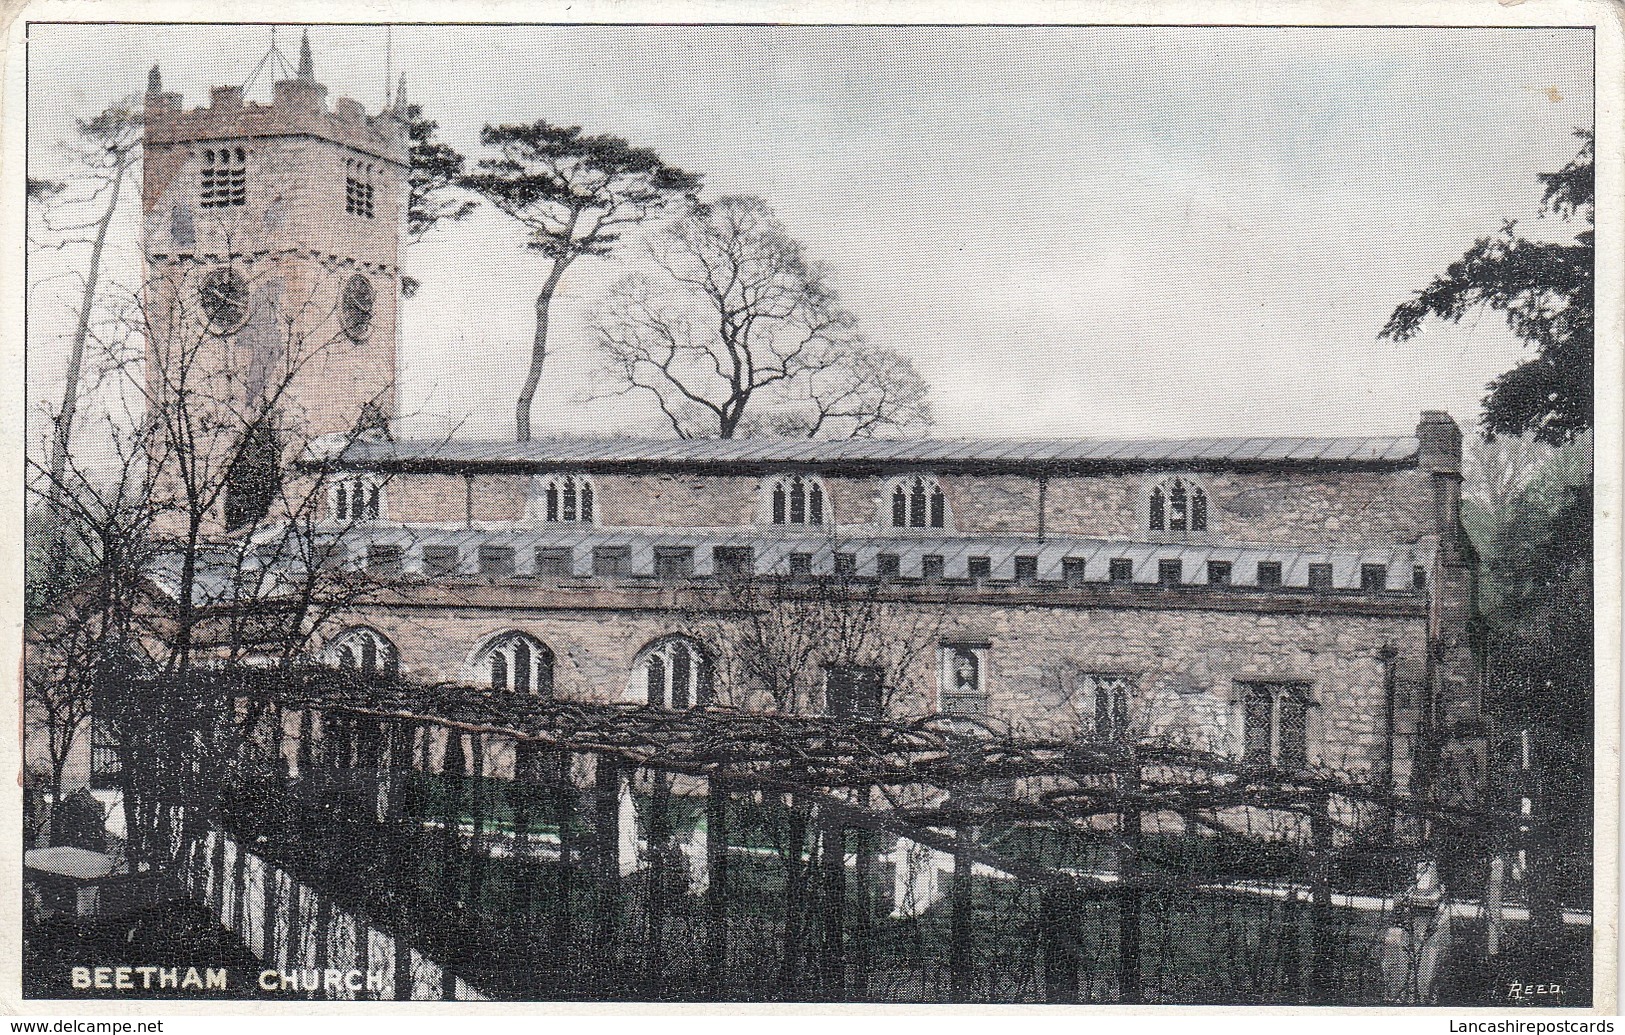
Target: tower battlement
{"points": [[298, 108]]}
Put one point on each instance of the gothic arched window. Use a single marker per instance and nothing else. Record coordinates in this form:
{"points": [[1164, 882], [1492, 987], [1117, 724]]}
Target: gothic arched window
{"points": [[254, 477], [672, 673], [918, 502], [364, 650], [357, 498], [569, 498], [1177, 505], [798, 500], [517, 663]]}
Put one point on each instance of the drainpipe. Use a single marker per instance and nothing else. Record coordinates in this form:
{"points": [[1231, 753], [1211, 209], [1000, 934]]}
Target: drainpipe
{"points": [[468, 499], [1043, 501], [1387, 656]]}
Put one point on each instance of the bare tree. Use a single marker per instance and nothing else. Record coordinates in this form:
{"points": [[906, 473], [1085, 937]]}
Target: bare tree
{"points": [[749, 337], [92, 633], [108, 150], [574, 195], [779, 640]]}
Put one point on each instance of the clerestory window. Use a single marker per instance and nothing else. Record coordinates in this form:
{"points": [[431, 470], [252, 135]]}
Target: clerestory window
{"points": [[355, 499], [918, 502], [1177, 505], [568, 499], [798, 500]]}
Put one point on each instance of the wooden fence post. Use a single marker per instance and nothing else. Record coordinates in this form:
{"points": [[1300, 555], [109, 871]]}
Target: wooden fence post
{"points": [[1129, 895], [451, 797], [833, 957], [520, 790], [477, 801], [716, 894], [659, 824], [268, 912], [564, 801], [279, 764], [1058, 920], [795, 895], [403, 966], [217, 865], [1320, 913], [960, 920], [305, 756], [606, 850], [863, 928], [1494, 913], [1291, 938], [1535, 847]]}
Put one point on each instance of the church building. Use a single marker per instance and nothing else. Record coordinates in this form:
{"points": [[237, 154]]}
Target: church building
{"points": [[1300, 601]]}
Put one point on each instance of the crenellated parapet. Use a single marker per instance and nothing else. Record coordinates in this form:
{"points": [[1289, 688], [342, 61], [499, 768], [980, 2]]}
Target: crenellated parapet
{"points": [[298, 108]]}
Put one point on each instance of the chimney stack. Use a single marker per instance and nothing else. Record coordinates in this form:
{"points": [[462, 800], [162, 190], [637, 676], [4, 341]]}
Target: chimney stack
{"points": [[1440, 439]]}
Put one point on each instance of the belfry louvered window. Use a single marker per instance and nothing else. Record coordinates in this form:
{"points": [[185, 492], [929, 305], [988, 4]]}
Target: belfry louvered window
{"points": [[358, 188], [224, 179]]}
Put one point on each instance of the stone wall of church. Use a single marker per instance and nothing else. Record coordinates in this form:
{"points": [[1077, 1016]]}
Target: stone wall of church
{"points": [[1348, 508], [1188, 666]]}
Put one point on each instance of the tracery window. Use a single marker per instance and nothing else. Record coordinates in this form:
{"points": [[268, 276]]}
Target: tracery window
{"points": [[853, 690], [355, 499], [364, 650], [798, 500], [918, 502], [569, 498], [516, 663], [1275, 724], [1177, 505], [1109, 697], [224, 178], [962, 681], [672, 673]]}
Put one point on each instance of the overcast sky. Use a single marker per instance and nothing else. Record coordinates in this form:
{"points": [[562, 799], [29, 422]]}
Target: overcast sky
{"points": [[1072, 231]]}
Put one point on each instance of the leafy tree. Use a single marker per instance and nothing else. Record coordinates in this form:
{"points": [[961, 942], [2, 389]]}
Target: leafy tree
{"points": [[574, 194], [434, 171], [1535, 533], [1544, 289], [749, 337]]}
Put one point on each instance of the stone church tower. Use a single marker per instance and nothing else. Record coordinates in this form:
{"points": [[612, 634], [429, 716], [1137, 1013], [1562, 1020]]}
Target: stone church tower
{"points": [[272, 243]]}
